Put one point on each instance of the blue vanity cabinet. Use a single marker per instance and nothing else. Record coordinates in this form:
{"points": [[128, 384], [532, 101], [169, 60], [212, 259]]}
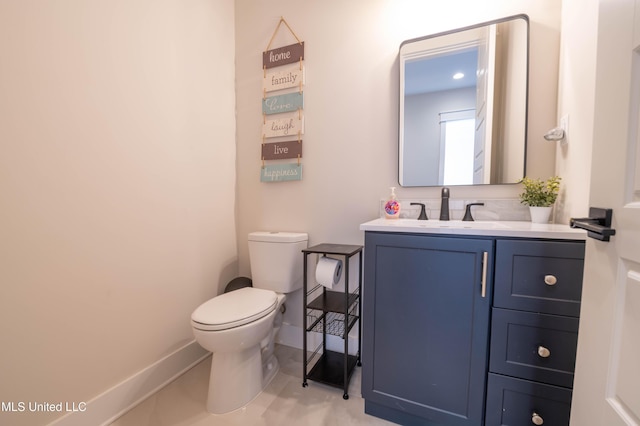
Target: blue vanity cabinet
{"points": [[426, 318]]}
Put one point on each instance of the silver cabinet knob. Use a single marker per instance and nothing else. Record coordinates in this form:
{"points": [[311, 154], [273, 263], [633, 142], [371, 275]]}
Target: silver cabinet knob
{"points": [[550, 280], [536, 419], [543, 353]]}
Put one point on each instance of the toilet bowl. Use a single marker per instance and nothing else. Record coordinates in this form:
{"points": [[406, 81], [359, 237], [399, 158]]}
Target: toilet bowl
{"points": [[239, 340], [239, 327]]}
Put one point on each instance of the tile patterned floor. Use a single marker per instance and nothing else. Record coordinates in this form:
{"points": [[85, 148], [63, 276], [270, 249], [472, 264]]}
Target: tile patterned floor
{"points": [[284, 402]]}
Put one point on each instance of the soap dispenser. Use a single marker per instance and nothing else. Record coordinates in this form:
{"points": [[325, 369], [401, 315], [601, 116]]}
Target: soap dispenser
{"points": [[392, 206]]}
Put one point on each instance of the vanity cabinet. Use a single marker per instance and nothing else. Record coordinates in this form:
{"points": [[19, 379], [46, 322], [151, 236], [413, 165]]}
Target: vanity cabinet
{"points": [[470, 330], [426, 327]]}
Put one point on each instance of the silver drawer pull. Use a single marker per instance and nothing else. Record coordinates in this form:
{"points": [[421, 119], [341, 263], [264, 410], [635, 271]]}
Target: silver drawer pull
{"points": [[543, 353], [550, 280], [483, 291], [536, 419]]}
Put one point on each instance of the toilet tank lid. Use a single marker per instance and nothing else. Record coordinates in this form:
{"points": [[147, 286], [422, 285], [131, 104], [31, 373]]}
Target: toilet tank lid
{"points": [[278, 237]]}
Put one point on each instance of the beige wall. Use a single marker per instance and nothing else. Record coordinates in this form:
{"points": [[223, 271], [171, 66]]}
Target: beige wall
{"points": [[351, 108], [576, 100], [512, 112], [118, 162], [117, 187]]}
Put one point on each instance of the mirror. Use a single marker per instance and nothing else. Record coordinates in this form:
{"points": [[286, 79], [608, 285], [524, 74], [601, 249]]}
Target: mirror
{"points": [[463, 105]]}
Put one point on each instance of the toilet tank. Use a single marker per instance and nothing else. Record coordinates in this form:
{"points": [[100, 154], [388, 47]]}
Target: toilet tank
{"points": [[276, 260]]}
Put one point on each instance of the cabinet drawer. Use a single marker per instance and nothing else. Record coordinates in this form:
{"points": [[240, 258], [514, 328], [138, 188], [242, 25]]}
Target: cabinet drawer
{"points": [[534, 346], [539, 276], [514, 402]]}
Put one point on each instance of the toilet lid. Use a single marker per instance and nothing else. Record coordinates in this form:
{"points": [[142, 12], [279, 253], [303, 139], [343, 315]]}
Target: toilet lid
{"points": [[234, 309]]}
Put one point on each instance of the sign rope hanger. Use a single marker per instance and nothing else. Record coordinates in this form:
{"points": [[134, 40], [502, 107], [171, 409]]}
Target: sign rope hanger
{"points": [[276, 32]]}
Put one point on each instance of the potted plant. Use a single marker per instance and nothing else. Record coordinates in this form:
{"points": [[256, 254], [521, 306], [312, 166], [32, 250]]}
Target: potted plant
{"points": [[539, 196]]}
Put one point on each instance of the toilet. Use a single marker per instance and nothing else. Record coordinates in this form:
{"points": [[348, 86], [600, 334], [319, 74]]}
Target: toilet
{"points": [[239, 327]]}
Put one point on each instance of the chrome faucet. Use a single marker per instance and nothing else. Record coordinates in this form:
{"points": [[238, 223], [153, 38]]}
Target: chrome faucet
{"points": [[444, 206]]}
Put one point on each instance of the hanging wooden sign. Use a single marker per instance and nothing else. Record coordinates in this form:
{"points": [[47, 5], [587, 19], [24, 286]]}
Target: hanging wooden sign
{"points": [[290, 124], [281, 172], [284, 78], [282, 69], [283, 103], [283, 55], [282, 150]]}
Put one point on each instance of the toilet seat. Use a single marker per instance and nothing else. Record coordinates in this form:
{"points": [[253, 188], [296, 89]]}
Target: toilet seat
{"points": [[233, 309]]}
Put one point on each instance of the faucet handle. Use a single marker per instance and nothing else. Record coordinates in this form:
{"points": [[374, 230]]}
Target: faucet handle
{"points": [[423, 213], [467, 213]]}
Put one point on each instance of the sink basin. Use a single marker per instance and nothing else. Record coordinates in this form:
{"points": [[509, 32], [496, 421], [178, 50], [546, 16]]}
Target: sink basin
{"points": [[456, 224], [524, 229]]}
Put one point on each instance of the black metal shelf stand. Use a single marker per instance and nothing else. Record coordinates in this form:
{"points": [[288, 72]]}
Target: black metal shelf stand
{"points": [[335, 313]]}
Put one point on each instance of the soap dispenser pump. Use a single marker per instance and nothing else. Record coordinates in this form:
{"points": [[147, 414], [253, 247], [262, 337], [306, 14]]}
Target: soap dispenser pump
{"points": [[392, 206]]}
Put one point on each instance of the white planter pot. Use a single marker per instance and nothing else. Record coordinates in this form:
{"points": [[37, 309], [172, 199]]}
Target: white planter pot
{"points": [[540, 214]]}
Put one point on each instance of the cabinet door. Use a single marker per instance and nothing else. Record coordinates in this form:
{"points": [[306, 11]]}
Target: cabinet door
{"points": [[425, 326]]}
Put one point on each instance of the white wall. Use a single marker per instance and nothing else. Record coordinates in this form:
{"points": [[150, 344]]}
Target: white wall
{"points": [[351, 108], [117, 188], [422, 131]]}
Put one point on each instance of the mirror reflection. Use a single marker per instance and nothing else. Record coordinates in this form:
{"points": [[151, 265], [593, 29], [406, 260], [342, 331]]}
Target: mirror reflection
{"points": [[463, 105]]}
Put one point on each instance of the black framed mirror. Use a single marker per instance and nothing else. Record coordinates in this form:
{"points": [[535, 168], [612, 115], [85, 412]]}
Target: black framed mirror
{"points": [[463, 105]]}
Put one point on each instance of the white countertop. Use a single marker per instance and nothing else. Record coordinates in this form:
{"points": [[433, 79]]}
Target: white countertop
{"points": [[485, 228]]}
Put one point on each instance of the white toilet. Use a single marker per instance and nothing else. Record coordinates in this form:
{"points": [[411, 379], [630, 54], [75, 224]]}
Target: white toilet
{"points": [[239, 327]]}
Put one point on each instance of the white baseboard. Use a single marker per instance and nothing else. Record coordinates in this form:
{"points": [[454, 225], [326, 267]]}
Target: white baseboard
{"points": [[113, 403], [291, 335]]}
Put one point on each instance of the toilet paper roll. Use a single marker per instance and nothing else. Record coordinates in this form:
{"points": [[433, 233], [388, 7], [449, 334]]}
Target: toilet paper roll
{"points": [[328, 271]]}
